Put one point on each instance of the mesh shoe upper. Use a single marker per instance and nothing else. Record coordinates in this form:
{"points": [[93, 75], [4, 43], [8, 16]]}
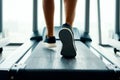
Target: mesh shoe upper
{"points": [[67, 26]]}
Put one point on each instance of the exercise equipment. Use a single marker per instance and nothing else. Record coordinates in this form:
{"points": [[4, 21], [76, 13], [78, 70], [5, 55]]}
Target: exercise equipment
{"points": [[33, 61]]}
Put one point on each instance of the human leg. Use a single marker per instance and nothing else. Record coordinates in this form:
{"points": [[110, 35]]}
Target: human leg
{"points": [[48, 9], [70, 6]]}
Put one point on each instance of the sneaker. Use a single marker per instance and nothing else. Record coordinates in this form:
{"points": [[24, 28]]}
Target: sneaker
{"points": [[67, 38], [50, 42]]}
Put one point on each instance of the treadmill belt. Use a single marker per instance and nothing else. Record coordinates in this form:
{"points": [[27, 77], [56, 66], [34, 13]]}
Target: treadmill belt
{"points": [[44, 58]]}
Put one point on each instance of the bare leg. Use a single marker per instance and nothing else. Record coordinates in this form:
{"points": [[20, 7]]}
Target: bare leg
{"points": [[70, 6], [48, 8]]}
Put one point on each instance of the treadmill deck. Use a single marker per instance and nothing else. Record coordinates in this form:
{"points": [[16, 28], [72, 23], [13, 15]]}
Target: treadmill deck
{"points": [[45, 58]]}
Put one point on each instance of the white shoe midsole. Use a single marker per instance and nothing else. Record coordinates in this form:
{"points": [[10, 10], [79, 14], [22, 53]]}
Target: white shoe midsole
{"points": [[50, 45]]}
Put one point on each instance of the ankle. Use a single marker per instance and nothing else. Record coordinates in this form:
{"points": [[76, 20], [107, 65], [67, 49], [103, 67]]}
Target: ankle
{"points": [[49, 35]]}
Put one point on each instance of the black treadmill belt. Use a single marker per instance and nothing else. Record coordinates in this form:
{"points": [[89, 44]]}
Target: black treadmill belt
{"points": [[44, 58]]}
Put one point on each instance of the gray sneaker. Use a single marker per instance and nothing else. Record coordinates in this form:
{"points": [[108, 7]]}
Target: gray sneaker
{"points": [[67, 38]]}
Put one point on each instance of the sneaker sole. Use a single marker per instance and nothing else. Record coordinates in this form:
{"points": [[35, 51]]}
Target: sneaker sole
{"points": [[68, 47]]}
